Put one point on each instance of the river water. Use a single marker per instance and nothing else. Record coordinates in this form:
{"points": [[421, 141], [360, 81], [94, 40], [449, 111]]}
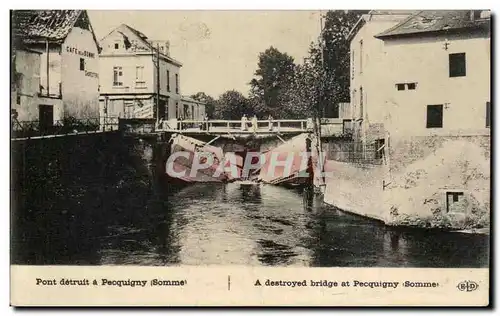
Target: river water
{"points": [[231, 224]]}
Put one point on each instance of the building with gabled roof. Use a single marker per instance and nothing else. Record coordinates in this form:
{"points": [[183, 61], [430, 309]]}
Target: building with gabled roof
{"points": [[422, 111], [438, 73], [433, 22], [132, 84], [367, 55], [67, 79]]}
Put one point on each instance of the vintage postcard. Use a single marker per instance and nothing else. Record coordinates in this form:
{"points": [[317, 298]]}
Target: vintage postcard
{"points": [[250, 158]]}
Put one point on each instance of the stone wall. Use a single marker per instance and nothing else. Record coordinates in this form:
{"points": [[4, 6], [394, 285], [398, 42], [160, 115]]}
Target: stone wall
{"points": [[428, 182], [78, 180], [440, 182], [357, 189]]}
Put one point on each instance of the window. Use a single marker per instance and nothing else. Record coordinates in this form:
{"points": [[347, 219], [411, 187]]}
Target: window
{"points": [[455, 202], [488, 114], [379, 148], [361, 97], [117, 76], [139, 77], [18, 99], [361, 56], [403, 86], [457, 65], [176, 83], [435, 116], [168, 80], [117, 45], [82, 64]]}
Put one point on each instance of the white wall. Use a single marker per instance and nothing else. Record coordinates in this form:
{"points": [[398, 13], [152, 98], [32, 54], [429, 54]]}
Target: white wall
{"points": [[368, 76], [426, 62], [168, 72], [196, 110], [80, 88], [129, 57], [55, 70], [27, 85], [129, 64], [28, 66]]}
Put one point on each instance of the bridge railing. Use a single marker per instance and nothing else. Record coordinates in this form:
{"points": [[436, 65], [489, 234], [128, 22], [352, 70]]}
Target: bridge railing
{"points": [[26, 129], [274, 125]]}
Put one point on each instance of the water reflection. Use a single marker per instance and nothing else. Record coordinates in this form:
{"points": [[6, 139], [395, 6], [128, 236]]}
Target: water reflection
{"points": [[216, 224], [250, 193]]}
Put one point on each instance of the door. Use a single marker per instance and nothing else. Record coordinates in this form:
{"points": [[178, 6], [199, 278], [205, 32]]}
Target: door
{"points": [[162, 109], [46, 117]]}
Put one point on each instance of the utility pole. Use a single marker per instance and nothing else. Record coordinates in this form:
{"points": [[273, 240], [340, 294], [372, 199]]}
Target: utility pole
{"points": [[156, 64], [157, 82], [47, 52], [320, 104], [106, 98]]}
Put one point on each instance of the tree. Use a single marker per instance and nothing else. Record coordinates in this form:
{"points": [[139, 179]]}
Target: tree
{"points": [[231, 105], [300, 94], [274, 73], [207, 100], [333, 57]]}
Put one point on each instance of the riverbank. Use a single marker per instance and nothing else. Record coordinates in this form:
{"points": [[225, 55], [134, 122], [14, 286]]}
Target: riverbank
{"points": [[62, 187], [446, 187]]}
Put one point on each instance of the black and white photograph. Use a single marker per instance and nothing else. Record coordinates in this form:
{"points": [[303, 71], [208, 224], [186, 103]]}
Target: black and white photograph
{"points": [[271, 138]]}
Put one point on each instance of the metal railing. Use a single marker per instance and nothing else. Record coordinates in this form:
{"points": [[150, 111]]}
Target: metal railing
{"points": [[355, 152], [237, 125], [29, 129]]}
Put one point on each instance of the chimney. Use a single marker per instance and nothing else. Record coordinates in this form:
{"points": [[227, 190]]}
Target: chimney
{"points": [[167, 48], [485, 14], [164, 46]]}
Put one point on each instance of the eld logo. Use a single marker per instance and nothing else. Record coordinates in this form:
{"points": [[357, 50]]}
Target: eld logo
{"points": [[467, 286]]}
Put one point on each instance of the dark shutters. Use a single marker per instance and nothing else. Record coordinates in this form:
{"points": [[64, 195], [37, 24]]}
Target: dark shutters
{"points": [[457, 65], [488, 114], [435, 116]]}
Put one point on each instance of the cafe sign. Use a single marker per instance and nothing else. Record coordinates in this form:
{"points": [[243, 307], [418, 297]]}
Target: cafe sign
{"points": [[76, 51]]}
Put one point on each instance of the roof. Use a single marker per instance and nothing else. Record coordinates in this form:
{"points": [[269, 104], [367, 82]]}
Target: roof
{"points": [[144, 41], [34, 26], [392, 12], [189, 99], [437, 21], [367, 17]]}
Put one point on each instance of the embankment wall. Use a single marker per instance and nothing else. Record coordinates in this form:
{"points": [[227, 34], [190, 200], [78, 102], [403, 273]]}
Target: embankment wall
{"points": [[427, 181]]}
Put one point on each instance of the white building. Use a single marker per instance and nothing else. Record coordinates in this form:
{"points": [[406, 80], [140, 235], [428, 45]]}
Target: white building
{"points": [[437, 74], [191, 109], [421, 97], [420, 73], [57, 66], [129, 76], [25, 85], [367, 65]]}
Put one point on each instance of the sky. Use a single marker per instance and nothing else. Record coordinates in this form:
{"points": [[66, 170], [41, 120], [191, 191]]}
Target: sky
{"points": [[218, 49]]}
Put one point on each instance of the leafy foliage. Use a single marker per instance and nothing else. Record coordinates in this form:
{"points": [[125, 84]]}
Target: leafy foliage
{"points": [[208, 100], [231, 105], [274, 73], [284, 89]]}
